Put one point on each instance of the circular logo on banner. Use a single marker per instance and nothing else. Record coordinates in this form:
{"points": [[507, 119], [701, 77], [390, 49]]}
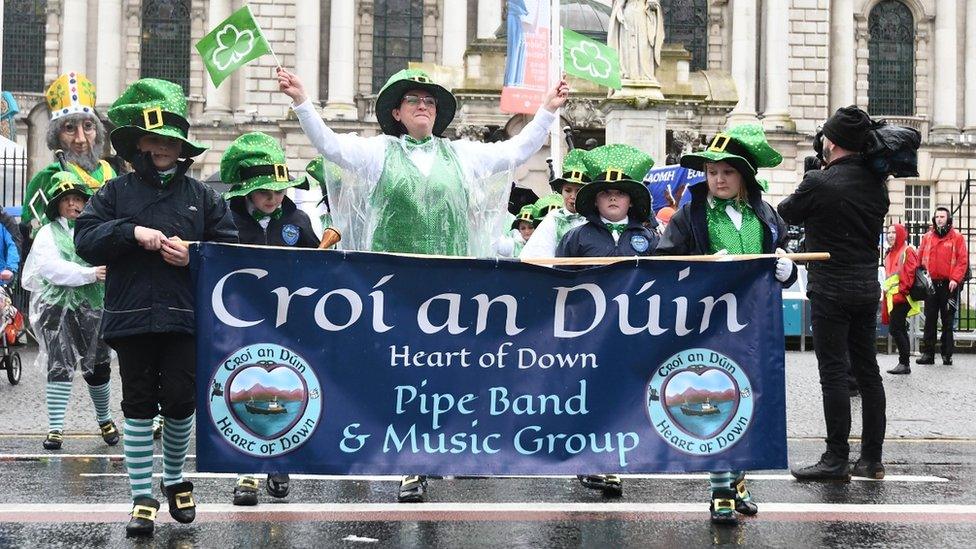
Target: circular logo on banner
{"points": [[265, 400], [700, 402], [289, 233]]}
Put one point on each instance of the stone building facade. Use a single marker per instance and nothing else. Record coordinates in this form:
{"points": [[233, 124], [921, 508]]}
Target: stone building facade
{"points": [[784, 63]]}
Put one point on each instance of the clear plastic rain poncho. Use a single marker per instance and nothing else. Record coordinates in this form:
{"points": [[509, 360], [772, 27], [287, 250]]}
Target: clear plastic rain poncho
{"points": [[65, 305], [391, 206]]}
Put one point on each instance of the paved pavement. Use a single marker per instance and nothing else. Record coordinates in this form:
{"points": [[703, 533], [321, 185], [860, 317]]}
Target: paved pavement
{"points": [[78, 498]]}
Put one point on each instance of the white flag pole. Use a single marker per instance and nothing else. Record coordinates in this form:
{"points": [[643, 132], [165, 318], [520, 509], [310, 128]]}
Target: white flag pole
{"points": [[555, 74]]}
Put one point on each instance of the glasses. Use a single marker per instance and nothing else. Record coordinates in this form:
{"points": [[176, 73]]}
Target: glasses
{"points": [[71, 127], [416, 100]]}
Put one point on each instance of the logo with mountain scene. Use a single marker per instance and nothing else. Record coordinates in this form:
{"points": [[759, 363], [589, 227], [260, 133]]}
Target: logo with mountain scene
{"points": [[700, 402], [265, 400]]}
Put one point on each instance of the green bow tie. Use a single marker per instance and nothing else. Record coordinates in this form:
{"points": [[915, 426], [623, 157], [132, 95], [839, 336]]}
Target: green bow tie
{"points": [[258, 215], [616, 227], [71, 223], [721, 203], [412, 143]]}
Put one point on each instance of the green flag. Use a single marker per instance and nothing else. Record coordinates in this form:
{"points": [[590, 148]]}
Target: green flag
{"points": [[232, 43], [590, 60]]}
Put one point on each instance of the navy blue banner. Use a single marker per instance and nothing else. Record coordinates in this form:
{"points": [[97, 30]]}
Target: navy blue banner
{"points": [[365, 363]]}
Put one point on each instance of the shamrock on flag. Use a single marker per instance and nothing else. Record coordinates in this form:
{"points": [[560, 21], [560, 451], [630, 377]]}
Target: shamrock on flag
{"points": [[234, 42], [590, 60]]}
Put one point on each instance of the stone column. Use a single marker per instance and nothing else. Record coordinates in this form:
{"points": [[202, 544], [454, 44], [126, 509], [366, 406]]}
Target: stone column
{"points": [[842, 64], [489, 18], [777, 72], [454, 32], [307, 45], [218, 99], [108, 76], [74, 36], [946, 52], [744, 60], [970, 127], [342, 68]]}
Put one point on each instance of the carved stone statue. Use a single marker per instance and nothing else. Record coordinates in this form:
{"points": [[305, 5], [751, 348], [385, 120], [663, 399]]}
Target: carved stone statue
{"points": [[637, 33]]}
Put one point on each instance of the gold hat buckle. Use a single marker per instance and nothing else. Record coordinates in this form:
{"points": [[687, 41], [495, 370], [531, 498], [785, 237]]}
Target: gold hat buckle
{"points": [[719, 143], [614, 174], [152, 118], [280, 172]]}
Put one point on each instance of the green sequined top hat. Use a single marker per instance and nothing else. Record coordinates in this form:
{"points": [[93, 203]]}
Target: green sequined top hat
{"points": [[744, 147], [400, 83], [63, 184], [527, 213], [152, 106], [255, 161], [574, 171], [547, 204], [621, 167]]}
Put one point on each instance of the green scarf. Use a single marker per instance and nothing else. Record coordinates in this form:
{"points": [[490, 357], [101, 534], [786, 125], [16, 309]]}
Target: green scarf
{"points": [[71, 297], [258, 215], [722, 234]]}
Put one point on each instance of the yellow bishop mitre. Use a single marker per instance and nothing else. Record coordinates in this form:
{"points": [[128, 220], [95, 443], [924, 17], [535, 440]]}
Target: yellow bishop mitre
{"points": [[71, 93]]}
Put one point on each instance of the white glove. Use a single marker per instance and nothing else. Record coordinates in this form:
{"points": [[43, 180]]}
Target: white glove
{"points": [[504, 246], [784, 266]]}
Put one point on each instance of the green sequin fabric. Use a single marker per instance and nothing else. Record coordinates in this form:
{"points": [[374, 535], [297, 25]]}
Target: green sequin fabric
{"points": [[67, 296], [722, 234], [421, 214]]}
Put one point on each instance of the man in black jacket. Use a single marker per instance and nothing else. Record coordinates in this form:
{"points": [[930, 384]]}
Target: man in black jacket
{"points": [[843, 208]]}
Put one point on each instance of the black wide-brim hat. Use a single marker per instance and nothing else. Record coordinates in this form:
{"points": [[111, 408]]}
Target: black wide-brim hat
{"points": [[400, 83]]}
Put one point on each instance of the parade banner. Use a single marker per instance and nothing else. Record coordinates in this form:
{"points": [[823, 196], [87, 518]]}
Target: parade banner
{"points": [[233, 43], [669, 185], [369, 363], [527, 63]]}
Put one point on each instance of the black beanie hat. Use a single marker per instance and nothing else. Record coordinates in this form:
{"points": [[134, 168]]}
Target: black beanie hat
{"points": [[848, 128]]}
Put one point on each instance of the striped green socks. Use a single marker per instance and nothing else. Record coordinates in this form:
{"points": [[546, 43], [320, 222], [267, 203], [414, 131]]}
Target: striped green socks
{"points": [[100, 396], [176, 442], [720, 481], [58, 393], [138, 447]]}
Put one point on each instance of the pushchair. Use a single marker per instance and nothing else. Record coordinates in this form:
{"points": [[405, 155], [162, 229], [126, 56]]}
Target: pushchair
{"points": [[12, 322]]}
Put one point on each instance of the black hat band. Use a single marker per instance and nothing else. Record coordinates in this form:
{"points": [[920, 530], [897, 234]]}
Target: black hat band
{"points": [[155, 117], [278, 171], [723, 143]]}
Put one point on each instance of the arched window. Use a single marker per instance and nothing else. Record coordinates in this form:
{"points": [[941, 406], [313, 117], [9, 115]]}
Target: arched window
{"points": [[24, 28], [398, 37], [891, 59], [686, 23], [165, 51]]}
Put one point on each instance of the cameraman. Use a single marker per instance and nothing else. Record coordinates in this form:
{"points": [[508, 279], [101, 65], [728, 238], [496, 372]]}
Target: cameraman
{"points": [[843, 207]]}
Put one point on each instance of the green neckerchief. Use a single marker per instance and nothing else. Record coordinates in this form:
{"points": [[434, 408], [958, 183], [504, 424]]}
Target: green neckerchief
{"points": [[618, 228], [258, 215], [411, 144], [71, 297], [722, 234], [167, 176]]}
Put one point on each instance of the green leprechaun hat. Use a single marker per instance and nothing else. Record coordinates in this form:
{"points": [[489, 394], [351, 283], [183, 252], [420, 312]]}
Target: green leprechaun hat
{"points": [[527, 213], [400, 83], [151, 105], [255, 161], [619, 167], [744, 147], [547, 204], [63, 184], [574, 171]]}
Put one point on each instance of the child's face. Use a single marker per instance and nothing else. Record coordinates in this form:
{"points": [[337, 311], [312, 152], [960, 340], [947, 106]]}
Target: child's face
{"points": [[165, 151], [724, 181], [569, 196], [70, 206], [526, 228], [266, 201], [613, 204]]}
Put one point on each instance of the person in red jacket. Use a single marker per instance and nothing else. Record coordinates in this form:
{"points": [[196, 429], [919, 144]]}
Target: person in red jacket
{"points": [[943, 253], [896, 305]]}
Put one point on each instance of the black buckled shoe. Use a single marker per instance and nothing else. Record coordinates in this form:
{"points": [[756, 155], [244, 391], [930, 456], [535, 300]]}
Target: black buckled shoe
{"points": [[900, 369], [413, 489], [54, 440], [143, 520], [743, 499], [180, 499], [612, 486], [722, 507], [926, 358], [110, 433], [246, 491], [277, 484], [868, 469], [830, 468], [947, 360]]}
